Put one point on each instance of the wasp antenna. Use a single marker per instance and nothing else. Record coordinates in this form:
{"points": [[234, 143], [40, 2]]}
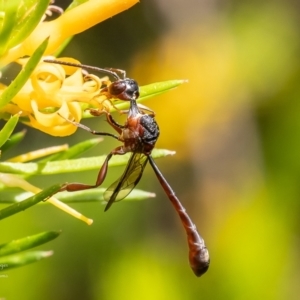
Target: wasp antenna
{"points": [[97, 69], [117, 71]]}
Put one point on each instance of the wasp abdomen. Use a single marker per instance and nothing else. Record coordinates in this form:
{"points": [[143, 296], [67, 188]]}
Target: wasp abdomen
{"points": [[151, 129]]}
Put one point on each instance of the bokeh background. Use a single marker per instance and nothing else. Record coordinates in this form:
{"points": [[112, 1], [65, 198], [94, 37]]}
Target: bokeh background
{"points": [[236, 130]]}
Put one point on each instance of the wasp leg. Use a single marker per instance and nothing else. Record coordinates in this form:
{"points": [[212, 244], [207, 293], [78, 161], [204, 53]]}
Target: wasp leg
{"points": [[79, 125], [76, 186]]}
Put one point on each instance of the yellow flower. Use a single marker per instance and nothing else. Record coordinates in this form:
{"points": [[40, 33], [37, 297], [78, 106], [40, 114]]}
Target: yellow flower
{"points": [[71, 22], [55, 93]]}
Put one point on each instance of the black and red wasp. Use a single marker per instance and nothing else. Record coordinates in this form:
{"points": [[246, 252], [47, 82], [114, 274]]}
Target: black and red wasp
{"points": [[138, 135]]}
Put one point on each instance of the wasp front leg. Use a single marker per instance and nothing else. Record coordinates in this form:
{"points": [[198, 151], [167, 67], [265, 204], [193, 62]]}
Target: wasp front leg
{"points": [[79, 125], [112, 122]]}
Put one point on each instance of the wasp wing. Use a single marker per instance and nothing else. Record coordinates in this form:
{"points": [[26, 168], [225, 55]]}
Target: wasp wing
{"points": [[129, 179]]}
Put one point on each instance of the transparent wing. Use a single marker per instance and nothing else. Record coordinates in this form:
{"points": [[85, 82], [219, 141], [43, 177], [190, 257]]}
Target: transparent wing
{"points": [[129, 179]]}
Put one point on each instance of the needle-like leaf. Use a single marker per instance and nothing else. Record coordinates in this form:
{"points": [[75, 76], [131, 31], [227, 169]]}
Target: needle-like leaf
{"points": [[28, 242], [13, 140], [18, 207], [92, 195], [23, 76], [29, 15], [19, 260], [8, 128], [146, 92], [74, 150], [72, 165]]}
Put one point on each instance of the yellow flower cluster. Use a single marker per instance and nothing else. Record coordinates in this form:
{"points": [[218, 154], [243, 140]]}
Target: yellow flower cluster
{"points": [[73, 21], [55, 93]]}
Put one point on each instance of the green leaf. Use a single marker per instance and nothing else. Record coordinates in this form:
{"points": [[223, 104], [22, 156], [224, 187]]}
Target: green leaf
{"points": [[14, 140], [72, 165], [30, 14], [23, 76], [28, 242], [8, 23], [146, 92], [8, 128], [19, 260], [18, 207], [95, 195], [158, 88], [92, 195], [74, 150]]}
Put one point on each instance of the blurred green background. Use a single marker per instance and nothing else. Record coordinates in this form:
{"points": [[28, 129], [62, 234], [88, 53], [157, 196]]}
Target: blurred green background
{"points": [[236, 130]]}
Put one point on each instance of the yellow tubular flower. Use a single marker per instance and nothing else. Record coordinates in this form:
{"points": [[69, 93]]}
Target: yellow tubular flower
{"points": [[55, 93], [72, 22]]}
